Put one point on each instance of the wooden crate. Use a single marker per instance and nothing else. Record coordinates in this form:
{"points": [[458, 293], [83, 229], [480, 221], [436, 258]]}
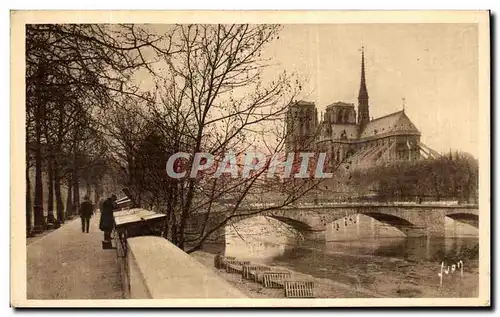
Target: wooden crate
{"points": [[234, 268], [238, 262], [258, 276], [235, 262], [299, 289], [275, 279], [249, 270], [220, 261]]}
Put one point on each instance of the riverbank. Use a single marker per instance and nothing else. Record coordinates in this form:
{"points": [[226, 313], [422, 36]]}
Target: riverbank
{"points": [[351, 277], [384, 275], [324, 288]]}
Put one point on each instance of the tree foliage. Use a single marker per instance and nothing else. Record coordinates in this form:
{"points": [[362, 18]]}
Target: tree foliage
{"points": [[451, 177]]}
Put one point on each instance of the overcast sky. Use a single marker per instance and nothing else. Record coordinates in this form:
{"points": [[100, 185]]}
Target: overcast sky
{"points": [[433, 66]]}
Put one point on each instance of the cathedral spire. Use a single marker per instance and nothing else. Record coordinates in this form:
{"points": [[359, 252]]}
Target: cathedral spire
{"points": [[363, 108], [363, 92]]}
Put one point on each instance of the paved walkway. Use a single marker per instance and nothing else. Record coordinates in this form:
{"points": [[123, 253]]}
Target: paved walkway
{"points": [[69, 264]]}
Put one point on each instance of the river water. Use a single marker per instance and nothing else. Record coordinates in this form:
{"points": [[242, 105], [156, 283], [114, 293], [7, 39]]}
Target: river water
{"points": [[388, 266]]}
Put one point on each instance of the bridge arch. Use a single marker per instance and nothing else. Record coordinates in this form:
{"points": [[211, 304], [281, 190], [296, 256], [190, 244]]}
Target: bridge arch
{"points": [[467, 218], [257, 226], [296, 224], [402, 225], [399, 223]]}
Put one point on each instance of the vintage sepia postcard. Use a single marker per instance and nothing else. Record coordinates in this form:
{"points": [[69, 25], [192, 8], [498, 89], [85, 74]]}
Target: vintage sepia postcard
{"points": [[250, 159]]}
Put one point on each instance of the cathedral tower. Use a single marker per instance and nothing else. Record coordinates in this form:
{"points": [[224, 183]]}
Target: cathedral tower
{"points": [[302, 124], [363, 108]]}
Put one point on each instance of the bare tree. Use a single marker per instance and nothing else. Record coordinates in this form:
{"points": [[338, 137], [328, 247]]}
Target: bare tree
{"points": [[217, 96], [73, 69]]}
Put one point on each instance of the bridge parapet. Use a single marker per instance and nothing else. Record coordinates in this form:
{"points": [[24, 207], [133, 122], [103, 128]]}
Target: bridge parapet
{"points": [[255, 207]]}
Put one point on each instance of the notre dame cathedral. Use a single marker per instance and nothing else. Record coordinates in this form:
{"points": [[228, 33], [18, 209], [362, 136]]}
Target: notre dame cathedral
{"points": [[344, 136]]}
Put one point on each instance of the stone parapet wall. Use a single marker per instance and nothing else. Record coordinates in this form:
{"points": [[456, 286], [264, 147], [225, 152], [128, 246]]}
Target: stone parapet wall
{"points": [[158, 269]]}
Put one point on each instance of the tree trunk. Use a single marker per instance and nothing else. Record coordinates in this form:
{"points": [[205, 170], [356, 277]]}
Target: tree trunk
{"points": [[96, 195], [69, 198], [50, 197], [166, 227], [175, 234], [436, 189], [186, 208], [76, 194], [61, 215], [174, 230], [39, 216], [88, 189], [28, 200], [57, 190], [38, 118], [170, 210]]}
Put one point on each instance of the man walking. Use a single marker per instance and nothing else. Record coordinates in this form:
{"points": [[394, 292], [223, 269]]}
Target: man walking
{"points": [[107, 221], [86, 211]]}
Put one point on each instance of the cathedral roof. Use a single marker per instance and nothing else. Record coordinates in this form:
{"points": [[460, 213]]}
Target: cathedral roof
{"points": [[340, 104], [351, 131], [394, 122], [303, 103]]}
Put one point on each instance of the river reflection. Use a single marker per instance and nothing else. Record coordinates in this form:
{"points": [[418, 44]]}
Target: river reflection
{"points": [[414, 249], [264, 239], [386, 266], [363, 255], [423, 248]]}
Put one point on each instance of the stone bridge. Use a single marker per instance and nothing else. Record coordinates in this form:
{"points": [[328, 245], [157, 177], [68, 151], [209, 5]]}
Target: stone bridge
{"points": [[312, 220]]}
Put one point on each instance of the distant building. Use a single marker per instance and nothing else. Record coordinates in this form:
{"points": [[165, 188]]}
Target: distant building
{"points": [[345, 136]]}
